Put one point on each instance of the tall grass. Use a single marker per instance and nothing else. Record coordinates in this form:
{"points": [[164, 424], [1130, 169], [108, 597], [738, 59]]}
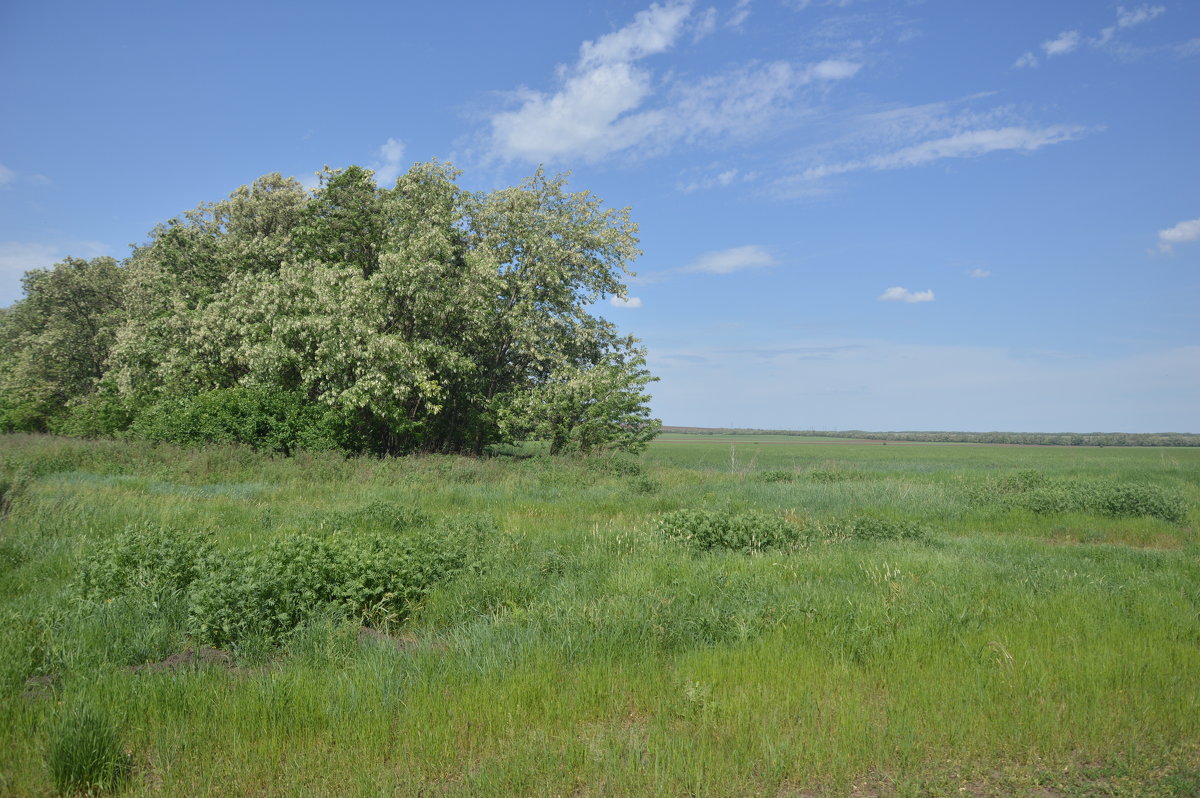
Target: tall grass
{"points": [[584, 651]]}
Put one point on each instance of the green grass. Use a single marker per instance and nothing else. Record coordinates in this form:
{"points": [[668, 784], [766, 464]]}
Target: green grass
{"points": [[1003, 652]]}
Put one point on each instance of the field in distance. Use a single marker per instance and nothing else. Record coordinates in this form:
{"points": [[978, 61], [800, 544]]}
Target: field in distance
{"points": [[722, 618]]}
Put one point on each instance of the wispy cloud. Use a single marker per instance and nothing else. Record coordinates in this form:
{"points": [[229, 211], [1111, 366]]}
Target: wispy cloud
{"points": [[1064, 43], [608, 102], [898, 294], [1108, 38], [969, 144], [1182, 233], [741, 11], [721, 179], [389, 166], [11, 177], [727, 261], [1026, 59], [627, 302], [980, 274]]}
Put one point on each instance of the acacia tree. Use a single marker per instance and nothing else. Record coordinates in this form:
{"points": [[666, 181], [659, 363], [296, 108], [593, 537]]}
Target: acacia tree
{"points": [[418, 316], [55, 342]]}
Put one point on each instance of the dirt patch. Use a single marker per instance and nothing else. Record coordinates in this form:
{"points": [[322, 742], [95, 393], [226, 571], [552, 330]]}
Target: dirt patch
{"points": [[191, 658]]}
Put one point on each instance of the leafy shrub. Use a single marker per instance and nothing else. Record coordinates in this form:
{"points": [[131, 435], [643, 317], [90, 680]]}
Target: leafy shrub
{"points": [[1133, 500], [85, 753], [712, 529], [272, 420], [101, 414], [777, 476], [374, 577], [1032, 490], [146, 558]]}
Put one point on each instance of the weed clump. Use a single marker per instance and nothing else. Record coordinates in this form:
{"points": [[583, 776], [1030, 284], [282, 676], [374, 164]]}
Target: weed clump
{"points": [[85, 754], [777, 476], [870, 527], [145, 558], [1032, 490], [714, 529], [372, 577]]}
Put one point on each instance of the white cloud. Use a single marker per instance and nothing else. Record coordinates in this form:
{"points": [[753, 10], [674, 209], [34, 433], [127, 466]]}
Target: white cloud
{"points": [[6, 175], [741, 10], [608, 103], [389, 167], [630, 302], [1128, 17], [721, 179], [1027, 59], [898, 294], [1182, 233], [727, 261], [980, 274], [968, 144], [1067, 41]]}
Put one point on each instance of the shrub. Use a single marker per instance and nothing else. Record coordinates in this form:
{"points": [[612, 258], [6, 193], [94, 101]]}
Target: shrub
{"points": [[147, 558], [85, 754], [373, 577], [272, 420], [1133, 500], [711, 529], [777, 476]]}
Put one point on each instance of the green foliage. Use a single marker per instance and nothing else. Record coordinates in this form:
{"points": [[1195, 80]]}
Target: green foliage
{"points": [[1034, 491], [872, 528], [372, 577], [145, 558], [85, 753], [273, 420], [776, 476], [717, 529]]}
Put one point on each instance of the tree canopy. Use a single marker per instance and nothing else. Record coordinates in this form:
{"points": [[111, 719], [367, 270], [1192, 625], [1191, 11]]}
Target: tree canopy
{"points": [[418, 317]]}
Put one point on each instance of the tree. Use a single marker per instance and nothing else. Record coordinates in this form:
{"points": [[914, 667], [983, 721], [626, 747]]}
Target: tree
{"points": [[57, 339], [416, 317]]}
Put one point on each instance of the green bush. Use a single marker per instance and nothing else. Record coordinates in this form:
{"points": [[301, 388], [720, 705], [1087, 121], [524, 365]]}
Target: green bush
{"points": [[98, 415], [85, 754], [713, 529], [272, 420], [1134, 500], [145, 558], [373, 577], [777, 476]]}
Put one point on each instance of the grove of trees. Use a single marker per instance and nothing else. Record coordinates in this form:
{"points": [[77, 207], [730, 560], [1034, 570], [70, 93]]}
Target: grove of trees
{"points": [[417, 317]]}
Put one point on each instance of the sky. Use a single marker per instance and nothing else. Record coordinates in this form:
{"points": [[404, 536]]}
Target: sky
{"points": [[854, 214]]}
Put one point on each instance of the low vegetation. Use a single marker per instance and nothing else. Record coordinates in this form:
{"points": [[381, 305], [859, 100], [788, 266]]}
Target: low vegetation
{"points": [[779, 620]]}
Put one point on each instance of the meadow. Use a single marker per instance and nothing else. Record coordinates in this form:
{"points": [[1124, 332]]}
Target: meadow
{"points": [[719, 616]]}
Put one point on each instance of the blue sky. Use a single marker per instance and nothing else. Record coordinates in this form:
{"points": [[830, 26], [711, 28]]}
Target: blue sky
{"points": [[854, 214]]}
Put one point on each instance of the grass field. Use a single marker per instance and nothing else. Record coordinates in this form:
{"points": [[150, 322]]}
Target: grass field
{"points": [[717, 617]]}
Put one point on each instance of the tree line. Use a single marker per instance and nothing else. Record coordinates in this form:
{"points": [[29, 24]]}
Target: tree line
{"points": [[1017, 438], [420, 317]]}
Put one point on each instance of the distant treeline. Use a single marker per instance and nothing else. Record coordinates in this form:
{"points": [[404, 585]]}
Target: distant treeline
{"points": [[1024, 438]]}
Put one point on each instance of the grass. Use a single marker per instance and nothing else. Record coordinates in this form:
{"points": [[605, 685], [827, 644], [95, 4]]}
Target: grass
{"points": [[1001, 652]]}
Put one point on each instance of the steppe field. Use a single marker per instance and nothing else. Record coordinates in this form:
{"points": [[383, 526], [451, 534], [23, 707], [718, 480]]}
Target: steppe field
{"points": [[721, 616]]}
